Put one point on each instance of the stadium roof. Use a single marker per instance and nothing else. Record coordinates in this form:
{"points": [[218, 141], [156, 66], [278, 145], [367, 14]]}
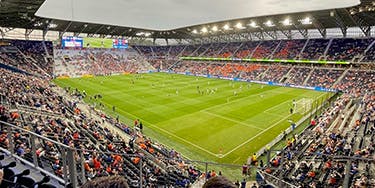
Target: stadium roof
{"points": [[21, 14], [164, 15]]}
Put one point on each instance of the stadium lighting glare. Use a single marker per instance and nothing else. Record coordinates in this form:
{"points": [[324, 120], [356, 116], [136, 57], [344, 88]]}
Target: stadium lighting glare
{"points": [[214, 28], [52, 25], [239, 26], [286, 22], [37, 24], [195, 31], [204, 30], [306, 21], [253, 24], [226, 27], [143, 34], [269, 23]]}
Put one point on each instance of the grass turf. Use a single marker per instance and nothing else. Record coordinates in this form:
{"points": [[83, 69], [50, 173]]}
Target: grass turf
{"points": [[218, 125]]}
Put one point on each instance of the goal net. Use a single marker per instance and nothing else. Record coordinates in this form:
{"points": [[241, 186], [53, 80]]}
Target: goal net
{"points": [[303, 105]]}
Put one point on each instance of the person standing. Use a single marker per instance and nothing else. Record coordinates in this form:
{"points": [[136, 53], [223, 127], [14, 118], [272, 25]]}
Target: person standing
{"points": [[243, 183]]}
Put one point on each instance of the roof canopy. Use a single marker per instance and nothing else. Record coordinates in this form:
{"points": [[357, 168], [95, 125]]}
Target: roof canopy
{"points": [[21, 14]]}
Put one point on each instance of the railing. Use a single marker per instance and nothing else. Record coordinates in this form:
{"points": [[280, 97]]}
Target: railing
{"points": [[72, 168]]}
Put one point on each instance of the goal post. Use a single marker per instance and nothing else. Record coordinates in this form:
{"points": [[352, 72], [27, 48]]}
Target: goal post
{"points": [[303, 105]]}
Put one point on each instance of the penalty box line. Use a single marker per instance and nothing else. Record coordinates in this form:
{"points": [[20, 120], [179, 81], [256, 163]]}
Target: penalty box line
{"points": [[273, 125]]}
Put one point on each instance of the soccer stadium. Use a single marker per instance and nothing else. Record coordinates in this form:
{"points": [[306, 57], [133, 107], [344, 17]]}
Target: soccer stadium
{"points": [[225, 93]]}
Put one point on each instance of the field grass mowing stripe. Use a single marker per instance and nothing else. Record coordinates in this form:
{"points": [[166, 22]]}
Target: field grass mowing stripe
{"points": [[230, 119], [265, 130], [276, 106], [169, 133], [273, 125]]}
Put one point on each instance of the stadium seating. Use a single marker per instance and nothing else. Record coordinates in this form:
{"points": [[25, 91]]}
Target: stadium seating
{"points": [[61, 120], [347, 49], [71, 62], [316, 157]]}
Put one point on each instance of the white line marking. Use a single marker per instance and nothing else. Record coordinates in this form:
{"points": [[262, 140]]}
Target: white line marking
{"points": [[276, 106], [247, 141], [230, 119], [273, 125]]}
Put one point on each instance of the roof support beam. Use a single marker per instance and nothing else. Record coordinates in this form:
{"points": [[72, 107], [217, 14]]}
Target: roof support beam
{"points": [[258, 35], [27, 33], [5, 30], [361, 23], [322, 30], [339, 22], [100, 28], [304, 32], [272, 34], [66, 28], [287, 33], [45, 31]]}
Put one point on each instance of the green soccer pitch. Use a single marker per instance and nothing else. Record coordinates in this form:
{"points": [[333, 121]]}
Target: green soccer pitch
{"points": [[204, 119]]}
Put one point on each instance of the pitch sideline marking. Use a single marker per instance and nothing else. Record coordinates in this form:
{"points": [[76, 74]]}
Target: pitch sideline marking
{"points": [[230, 119], [273, 125], [199, 147], [209, 152]]}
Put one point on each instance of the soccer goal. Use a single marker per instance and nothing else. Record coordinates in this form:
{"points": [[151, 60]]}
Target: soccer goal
{"points": [[303, 105]]}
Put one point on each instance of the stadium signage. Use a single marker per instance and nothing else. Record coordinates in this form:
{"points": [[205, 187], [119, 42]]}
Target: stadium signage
{"points": [[265, 60]]}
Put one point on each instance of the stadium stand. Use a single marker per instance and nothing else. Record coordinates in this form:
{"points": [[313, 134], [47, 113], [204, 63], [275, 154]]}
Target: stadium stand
{"points": [[72, 62], [36, 105]]}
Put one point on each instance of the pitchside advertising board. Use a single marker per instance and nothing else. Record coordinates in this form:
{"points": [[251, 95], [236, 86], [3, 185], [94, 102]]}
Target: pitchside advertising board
{"points": [[87, 42]]}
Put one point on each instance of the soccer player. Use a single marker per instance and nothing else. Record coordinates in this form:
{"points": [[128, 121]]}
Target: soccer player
{"points": [[294, 103]]}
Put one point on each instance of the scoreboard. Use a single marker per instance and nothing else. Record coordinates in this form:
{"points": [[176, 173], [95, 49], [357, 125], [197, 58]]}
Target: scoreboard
{"points": [[120, 43], [72, 42], [89, 42]]}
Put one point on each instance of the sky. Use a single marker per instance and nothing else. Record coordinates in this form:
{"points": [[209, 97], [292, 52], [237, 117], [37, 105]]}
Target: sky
{"points": [[173, 14]]}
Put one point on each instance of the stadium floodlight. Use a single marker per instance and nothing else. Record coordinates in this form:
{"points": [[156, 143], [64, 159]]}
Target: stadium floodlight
{"points": [[306, 21], [253, 24], [286, 22], [239, 26], [52, 25], [195, 31], [269, 23], [214, 28], [37, 24], [204, 30], [226, 27]]}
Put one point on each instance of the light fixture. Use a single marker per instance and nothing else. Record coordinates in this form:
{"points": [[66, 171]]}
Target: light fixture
{"points": [[214, 28], [52, 25], [286, 22], [195, 31], [253, 24], [306, 21], [204, 30], [239, 26], [269, 23], [226, 27]]}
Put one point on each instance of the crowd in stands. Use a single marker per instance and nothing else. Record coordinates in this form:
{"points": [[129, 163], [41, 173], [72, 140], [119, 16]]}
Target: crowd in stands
{"points": [[289, 49], [336, 49], [32, 61], [348, 48], [40, 52], [104, 152], [72, 62], [316, 158]]}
